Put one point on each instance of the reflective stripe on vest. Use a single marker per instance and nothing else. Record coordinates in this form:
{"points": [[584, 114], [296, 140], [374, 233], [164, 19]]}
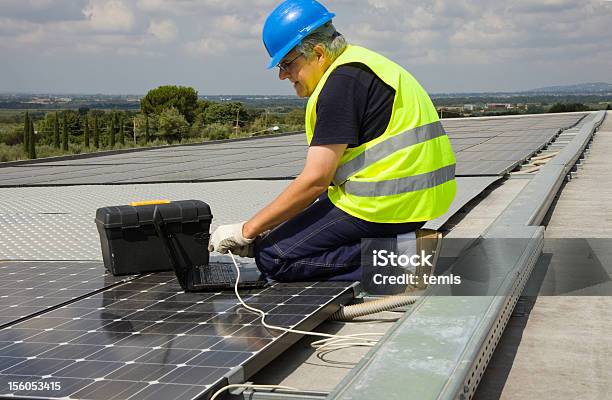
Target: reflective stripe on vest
{"points": [[401, 185], [384, 149]]}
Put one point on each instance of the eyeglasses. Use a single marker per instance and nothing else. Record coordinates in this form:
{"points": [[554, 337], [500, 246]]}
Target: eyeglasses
{"points": [[285, 65]]}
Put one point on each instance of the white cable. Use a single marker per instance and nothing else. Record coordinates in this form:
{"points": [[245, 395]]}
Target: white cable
{"points": [[336, 342], [246, 385], [331, 343]]}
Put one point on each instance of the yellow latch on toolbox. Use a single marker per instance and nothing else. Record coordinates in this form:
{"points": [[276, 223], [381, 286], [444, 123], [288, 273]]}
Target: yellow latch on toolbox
{"points": [[148, 202]]}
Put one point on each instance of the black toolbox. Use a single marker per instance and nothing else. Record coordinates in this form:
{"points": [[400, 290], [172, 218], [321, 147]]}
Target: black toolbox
{"points": [[129, 240]]}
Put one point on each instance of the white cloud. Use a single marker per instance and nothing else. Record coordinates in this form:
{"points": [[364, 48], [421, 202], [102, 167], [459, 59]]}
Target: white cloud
{"points": [[164, 30], [227, 34], [109, 15], [437, 35], [204, 47], [230, 24]]}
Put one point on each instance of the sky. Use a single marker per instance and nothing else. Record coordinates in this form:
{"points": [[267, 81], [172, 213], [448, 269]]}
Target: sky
{"points": [[214, 46]]}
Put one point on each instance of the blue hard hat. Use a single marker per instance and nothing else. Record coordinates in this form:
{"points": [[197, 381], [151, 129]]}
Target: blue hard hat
{"points": [[289, 23]]}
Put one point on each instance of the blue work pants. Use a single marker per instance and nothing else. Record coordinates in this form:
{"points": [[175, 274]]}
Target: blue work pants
{"points": [[321, 243]]}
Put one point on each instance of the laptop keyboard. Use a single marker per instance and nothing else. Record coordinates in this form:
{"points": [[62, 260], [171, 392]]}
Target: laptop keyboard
{"points": [[217, 273]]}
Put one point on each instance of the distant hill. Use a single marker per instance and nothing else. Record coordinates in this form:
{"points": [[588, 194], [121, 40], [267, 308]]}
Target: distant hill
{"points": [[581, 88]]}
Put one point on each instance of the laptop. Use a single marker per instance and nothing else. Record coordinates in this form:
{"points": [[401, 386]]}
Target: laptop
{"points": [[206, 277]]}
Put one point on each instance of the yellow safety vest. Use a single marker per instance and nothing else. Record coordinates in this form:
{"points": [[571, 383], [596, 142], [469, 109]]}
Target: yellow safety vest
{"points": [[407, 174]]}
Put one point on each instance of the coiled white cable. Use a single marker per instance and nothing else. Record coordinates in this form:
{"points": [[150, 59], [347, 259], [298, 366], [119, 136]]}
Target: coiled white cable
{"points": [[334, 342], [330, 343]]}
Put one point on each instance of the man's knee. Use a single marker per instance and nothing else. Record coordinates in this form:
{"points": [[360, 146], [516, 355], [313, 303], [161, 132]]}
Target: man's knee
{"points": [[267, 259], [272, 264]]}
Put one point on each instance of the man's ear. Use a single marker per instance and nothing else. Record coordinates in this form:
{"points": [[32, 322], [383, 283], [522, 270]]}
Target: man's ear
{"points": [[319, 52]]}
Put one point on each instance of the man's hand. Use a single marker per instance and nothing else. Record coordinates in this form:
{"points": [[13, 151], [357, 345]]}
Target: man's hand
{"points": [[230, 237], [245, 251]]}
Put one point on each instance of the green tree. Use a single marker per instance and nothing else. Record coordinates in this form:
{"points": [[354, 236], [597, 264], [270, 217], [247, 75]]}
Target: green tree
{"points": [[147, 132], [65, 132], [85, 131], [121, 130], [201, 106], [96, 133], [56, 131], [295, 117], [197, 128], [111, 130], [32, 142], [569, 107], [183, 98], [12, 136], [217, 131], [225, 113], [172, 124], [26, 133]]}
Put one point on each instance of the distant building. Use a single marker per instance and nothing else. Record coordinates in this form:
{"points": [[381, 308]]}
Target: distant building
{"points": [[39, 100], [452, 109], [498, 106], [469, 107]]}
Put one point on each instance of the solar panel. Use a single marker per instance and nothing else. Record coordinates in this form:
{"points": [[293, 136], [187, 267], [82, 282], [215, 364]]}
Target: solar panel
{"points": [[271, 157], [146, 337], [28, 288], [481, 167], [467, 189]]}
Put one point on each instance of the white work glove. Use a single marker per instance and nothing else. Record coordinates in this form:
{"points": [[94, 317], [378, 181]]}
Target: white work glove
{"points": [[229, 237]]}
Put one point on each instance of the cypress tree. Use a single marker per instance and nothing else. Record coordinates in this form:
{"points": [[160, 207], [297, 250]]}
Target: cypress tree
{"points": [[32, 142], [26, 133], [112, 131], [96, 133], [86, 132], [65, 133], [121, 131], [147, 137], [56, 133]]}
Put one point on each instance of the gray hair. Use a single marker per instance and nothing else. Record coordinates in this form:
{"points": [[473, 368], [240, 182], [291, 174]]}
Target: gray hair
{"points": [[332, 41]]}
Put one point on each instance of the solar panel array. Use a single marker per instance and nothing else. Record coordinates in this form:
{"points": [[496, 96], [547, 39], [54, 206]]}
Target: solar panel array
{"points": [[496, 148], [483, 146], [27, 288], [467, 189], [101, 337], [146, 337]]}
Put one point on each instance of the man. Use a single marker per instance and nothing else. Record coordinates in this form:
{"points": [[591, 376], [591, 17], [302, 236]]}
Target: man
{"points": [[379, 161]]}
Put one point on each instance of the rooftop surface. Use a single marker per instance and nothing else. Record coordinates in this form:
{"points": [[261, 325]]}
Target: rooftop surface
{"points": [[48, 207]]}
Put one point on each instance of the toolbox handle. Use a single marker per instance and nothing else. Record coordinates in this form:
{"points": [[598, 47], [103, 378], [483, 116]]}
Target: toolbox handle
{"points": [[148, 202], [130, 219]]}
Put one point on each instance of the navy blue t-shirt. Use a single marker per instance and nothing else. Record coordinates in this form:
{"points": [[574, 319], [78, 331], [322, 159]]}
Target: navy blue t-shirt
{"points": [[353, 108]]}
